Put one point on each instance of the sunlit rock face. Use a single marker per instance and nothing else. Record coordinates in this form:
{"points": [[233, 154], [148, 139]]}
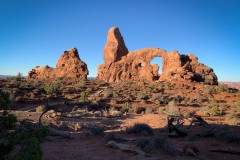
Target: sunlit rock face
{"points": [[120, 65], [68, 65]]}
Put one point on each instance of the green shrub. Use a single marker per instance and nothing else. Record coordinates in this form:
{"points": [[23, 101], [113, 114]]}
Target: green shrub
{"points": [[213, 110], [4, 100], [126, 107], [84, 96], [167, 85], [31, 141], [161, 110], [8, 121], [48, 88], [222, 88], [148, 110], [28, 138]]}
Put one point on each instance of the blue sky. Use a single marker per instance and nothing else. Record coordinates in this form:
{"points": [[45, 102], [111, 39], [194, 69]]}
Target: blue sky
{"points": [[37, 32]]}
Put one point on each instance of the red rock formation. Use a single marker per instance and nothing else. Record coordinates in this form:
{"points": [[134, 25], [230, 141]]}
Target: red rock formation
{"points": [[120, 65], [68, 65], [115, 47]]}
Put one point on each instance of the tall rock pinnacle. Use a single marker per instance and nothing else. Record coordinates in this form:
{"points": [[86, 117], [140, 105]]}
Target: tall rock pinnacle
{"points": [[115, 47]]}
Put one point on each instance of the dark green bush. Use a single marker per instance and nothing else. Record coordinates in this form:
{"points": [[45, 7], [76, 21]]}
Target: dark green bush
{"points": [[4, 100], [28, 139], [48, 88], [8, 121]]}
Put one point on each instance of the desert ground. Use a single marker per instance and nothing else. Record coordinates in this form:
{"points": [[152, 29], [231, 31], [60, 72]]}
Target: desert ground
{"points": [[129, 120]]}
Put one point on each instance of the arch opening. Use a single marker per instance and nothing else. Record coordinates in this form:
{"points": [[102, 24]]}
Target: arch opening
{"points": [[157, 61]]}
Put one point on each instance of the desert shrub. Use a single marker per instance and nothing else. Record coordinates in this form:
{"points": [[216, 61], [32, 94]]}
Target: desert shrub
{"points": [[114, 112], [172, 109], [14, 82], [209, 89], [48, 88], [28, 139], [167, 85], [155, 144], [232, 119], [125, 108], [238, 109], [97, 130], [41, 108], [112, 136], [84, 96], [142, 95], [136, 110], [224, 133], [108, 94], [19, 76], [156, 98], [161, 110], [212, 110], [140, 128], [148, 110], [178, 99], [222, 88], [161, 142], [144, 144], [4, 100], [31, 141], [8, 121], [81, 84], [61, 80]]}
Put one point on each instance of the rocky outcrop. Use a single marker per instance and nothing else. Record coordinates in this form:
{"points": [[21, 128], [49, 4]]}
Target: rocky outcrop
{"points": [[120, 65], [115, 47], [68, 65]]}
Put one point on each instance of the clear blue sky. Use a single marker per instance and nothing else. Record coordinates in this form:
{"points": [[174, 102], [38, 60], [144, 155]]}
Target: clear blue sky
{"points": [[37, 32]]}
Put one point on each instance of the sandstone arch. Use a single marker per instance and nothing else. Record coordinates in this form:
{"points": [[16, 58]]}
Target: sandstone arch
{"points": [[120, 65]]}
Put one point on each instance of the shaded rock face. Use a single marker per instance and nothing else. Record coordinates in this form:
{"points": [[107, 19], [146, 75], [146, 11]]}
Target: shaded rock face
{"points": [[115, 47], [68, 65], [121, 65]]}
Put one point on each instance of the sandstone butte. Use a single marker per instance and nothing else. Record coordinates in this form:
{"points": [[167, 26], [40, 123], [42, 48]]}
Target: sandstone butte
{"points": [[121, 65], [68, 65]]}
